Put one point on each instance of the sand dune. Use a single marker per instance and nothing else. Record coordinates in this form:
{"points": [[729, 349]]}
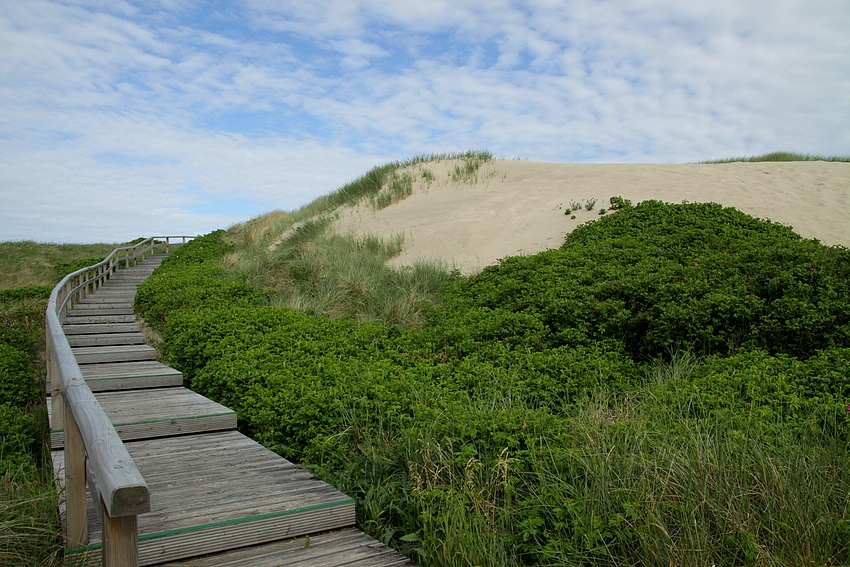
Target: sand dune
{"points": [[517, 207]]}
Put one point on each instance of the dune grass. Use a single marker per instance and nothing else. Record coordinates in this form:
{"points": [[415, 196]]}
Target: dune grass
{"points": [[318, 272], [25, 263], [630, 479], [30, 533], [781, 156], [311, 269]]}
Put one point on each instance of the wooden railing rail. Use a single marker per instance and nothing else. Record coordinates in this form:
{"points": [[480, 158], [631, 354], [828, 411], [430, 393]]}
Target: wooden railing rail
{"points": [[117, 486]]}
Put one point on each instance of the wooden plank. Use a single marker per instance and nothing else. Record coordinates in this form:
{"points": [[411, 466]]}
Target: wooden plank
{"points": [[100, 309], [127, 370], [95, 299], [101, 328], [108, 339], [128, 376], [98, 319], [212, 492], [102, 305], [115, 353], [348, 547], [162, 412]]}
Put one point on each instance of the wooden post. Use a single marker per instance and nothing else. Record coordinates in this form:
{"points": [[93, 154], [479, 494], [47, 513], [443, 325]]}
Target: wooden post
{"points": [[57, 402], [75, 484], [120, 539]]}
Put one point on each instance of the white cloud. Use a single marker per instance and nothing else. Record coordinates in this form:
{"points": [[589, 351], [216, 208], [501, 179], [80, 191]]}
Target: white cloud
{"points": [[274, 103]]}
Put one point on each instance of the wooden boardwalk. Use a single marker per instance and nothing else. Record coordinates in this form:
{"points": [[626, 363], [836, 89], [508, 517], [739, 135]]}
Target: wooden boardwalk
{"points": [[216, 497]]}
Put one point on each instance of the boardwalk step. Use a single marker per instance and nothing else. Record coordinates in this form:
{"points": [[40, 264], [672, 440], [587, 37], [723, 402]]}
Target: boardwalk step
{"points": [[116, 353], [89, 319], [161, 412], [105, 299], [215, 491], [105, 305], [101, 328], [348, 547], [106, 339], [96, 299], [101, 310], [114, 376], [130, 376]]}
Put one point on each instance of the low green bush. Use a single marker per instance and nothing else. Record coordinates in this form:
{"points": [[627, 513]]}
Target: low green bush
{"points": [[669, 387], [192, 278], [17, 380], [658, 277]]}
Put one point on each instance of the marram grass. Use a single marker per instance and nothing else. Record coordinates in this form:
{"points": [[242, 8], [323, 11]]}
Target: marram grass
{"points": [[782, 156], [313, 270]]}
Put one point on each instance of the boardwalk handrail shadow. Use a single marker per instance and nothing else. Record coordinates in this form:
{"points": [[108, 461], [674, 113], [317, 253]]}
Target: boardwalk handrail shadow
{"points": [[117, 486]]}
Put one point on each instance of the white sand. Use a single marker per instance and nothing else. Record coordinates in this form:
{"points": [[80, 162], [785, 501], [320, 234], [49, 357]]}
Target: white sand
{"points": [[517, 207]]}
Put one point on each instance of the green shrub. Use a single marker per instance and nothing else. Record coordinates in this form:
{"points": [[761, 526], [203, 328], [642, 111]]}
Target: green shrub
{"points": [[26, 292], [667, 388], [657, 277], [191, 278], [63, 270], [18, 441], [17, 382]]}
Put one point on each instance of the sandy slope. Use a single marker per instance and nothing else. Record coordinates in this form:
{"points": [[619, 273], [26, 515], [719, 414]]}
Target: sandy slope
{"points": [[517, 207]]}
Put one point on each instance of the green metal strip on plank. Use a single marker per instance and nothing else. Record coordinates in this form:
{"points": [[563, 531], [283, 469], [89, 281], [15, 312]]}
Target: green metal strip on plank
{"points": [[235, 521], [96, 378], [162, 420]]}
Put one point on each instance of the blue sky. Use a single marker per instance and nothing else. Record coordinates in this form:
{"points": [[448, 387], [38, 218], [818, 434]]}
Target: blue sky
{"points": [[120, 119]]}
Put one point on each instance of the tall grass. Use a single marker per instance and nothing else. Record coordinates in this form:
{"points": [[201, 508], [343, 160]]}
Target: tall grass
{"points": [[630, 479], [319, 272], [370, 184], [26, 263], [781, 156], [340, 276], [30, 532]]}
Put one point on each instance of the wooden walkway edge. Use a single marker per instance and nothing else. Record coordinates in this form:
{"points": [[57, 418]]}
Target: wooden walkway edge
{"points": [[217, 498]]}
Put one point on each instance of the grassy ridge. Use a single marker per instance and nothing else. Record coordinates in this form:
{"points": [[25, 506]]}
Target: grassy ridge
{"points": [[781, 156], [30, 533], [667, 388], [26, 263], [306, 266]]}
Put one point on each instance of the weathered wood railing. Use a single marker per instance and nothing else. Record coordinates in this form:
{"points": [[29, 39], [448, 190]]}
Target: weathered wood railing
{"points": [[117, 486]]}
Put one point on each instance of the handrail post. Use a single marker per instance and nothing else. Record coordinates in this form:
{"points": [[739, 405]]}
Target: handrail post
{"points": [[57, 402], [120, 539], [75, 483]]}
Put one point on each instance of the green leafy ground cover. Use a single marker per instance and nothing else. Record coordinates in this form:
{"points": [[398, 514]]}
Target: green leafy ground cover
{"points": [[29, 525], [30, 533], [668, 388]]}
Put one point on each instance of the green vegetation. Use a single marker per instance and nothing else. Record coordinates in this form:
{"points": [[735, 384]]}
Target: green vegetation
{"points": [[29, 525], [781, 156], [26, 263], [304, 265], [30, 533], [668, 388]]}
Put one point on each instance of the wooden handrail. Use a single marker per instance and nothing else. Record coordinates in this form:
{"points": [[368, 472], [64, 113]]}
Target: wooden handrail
{"points": [[115, 481]]}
